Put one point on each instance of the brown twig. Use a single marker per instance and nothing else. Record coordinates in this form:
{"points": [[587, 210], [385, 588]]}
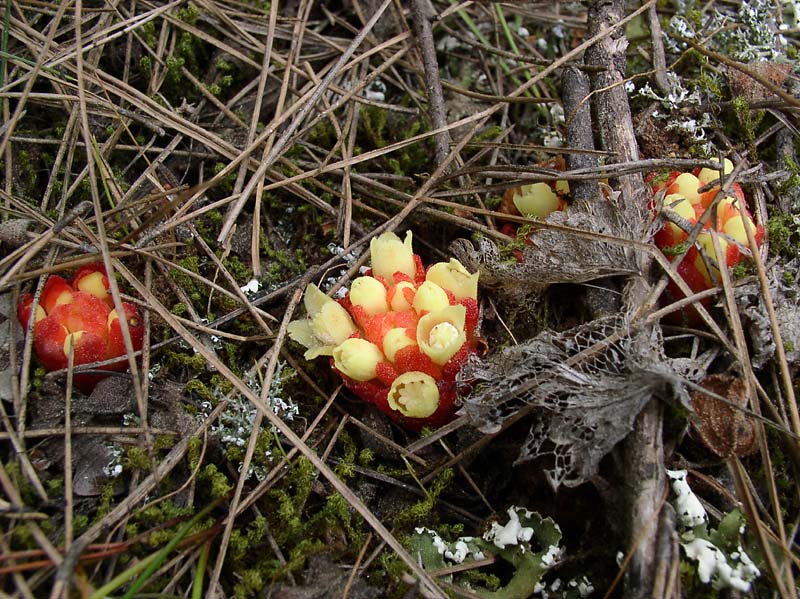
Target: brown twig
{"points": [[423, 12]]}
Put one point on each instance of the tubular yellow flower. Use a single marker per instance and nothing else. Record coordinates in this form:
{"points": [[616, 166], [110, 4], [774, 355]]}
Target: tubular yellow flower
{"points": [[536, 200], [430, 297], [399, 301], [441, 334], [326, 325], [357, 358], [370, 294], [453, 276], [390, 255], [414, 394], [395, 340]]}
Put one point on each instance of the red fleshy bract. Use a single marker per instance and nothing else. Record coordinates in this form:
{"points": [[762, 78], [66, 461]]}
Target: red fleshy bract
{"points": [[85, 272], [56, 290]]}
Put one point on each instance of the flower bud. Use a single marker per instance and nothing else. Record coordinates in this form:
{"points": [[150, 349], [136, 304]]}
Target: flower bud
{"points": [[537, 200], [453, 276], [370, 294], [686, 184], [390, 255], [430, 298], [707, 175], [394, 341], [731, 215], [357, 358], [414, 394], [672, 234], [400, 295], [441, 334], [327, 325]]}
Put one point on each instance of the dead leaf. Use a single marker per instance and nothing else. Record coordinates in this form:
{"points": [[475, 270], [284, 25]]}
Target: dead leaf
{"points": [[751, 90], [722, 425]]}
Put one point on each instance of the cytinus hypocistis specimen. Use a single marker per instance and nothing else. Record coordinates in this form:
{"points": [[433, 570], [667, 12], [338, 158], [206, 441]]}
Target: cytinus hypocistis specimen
{"points": [[80, 314], [400, 335]]}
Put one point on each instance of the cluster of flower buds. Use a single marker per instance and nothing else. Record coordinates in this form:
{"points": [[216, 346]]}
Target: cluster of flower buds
{"points": [[80, 315], [687, 204], [400, 335]]}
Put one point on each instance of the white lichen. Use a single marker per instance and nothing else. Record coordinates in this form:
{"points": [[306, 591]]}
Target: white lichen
{"points": [[690, 511], [251, 287], [512, 533], [713, 566], [234, 425]]}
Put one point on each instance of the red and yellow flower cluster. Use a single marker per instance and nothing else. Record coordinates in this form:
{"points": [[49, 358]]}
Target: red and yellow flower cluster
{"points": [[400, 335], [684, 199], [80, 314]]}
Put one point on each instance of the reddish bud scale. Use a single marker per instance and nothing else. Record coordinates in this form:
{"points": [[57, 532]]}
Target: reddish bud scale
{"points": [[83, 320]]}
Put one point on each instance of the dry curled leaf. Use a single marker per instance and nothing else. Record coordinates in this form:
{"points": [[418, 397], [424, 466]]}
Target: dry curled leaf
{"points": [[587, 385], [722, 425]]}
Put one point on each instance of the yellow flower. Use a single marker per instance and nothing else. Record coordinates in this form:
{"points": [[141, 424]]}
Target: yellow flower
{"points": [[453, 276], [441, 334], [390, 255], [395, 340], [370, 294], [414, 394], [326, 325], [429, 298], [357, 358]]}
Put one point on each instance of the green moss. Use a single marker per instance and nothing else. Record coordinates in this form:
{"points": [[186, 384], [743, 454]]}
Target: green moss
{"points": [[238, 269], [194, 361], [366, 457], [250, 584], [22, 538], [136, 458], [742, 109], [344, 469], [148, 34], [676, 250], [193, 450], [420, 512], [493, 202], [784, 235], [80, 523], [197, 387], [220, 486], [106, 500], [302, 551], [55, 486], [281, 259]]}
